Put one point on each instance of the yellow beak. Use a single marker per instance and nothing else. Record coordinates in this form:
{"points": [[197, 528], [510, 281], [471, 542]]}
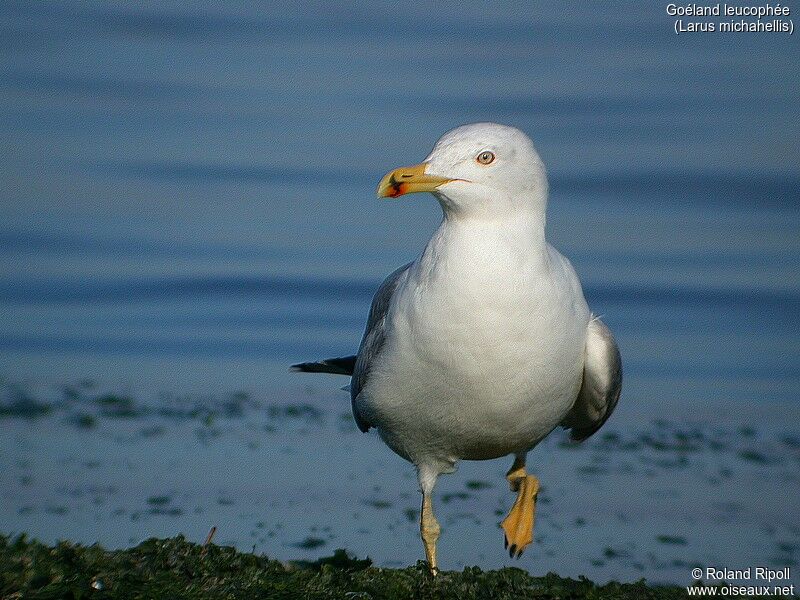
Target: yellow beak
{"points": [[409, 180]]}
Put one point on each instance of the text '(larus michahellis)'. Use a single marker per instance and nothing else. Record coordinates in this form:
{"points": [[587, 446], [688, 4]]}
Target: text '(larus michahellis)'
{"points": [[484, 344]]}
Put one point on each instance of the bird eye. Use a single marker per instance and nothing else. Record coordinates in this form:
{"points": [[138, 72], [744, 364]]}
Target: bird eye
{"points": [[485, 157]]}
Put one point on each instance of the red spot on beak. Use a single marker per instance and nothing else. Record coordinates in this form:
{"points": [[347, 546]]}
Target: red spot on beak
{"points": [[398, 189]]}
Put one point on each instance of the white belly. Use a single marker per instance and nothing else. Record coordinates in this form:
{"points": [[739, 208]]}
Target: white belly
{"points": [[469, 372]]}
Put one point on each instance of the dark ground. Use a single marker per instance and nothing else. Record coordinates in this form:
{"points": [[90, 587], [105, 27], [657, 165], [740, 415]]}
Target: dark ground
{"points": [[176, 568]]}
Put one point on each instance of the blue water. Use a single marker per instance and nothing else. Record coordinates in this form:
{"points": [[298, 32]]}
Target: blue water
{"points": [[187, 191]]}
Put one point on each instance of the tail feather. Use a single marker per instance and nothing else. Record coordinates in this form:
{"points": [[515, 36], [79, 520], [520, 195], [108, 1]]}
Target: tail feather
{"points": [[342, 365]]}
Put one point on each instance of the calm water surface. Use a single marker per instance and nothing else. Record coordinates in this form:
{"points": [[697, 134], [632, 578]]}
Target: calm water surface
{"points": [[188, 207]]}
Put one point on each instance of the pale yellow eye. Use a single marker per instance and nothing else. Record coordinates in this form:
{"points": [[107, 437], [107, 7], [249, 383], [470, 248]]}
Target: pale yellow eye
{"points": [[485, 157]]}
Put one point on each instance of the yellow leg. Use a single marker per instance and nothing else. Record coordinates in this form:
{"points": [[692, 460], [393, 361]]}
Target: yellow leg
{"points": [[429, 529], [516, 474], [518, 525]]}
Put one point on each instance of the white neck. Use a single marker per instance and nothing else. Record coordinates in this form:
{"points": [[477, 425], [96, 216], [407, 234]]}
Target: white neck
{"points": [[468, 246], [476, 202]]}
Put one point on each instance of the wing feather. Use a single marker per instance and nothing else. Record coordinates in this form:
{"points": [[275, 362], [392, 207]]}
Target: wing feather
{"points": [[602, 383], [372, 342]]}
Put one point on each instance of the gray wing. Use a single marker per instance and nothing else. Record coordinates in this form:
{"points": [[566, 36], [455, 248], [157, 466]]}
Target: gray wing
{"points": [[372, 342], [602, 383]]}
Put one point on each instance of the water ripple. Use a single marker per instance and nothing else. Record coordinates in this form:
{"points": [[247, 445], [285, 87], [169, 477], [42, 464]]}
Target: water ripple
{"points": [[333, 289]]}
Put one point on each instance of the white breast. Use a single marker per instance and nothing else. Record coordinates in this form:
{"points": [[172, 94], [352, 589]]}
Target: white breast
{"points": [[484, 349]]}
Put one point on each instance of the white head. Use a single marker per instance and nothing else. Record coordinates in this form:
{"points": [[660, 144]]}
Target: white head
{"points": [[483, 170]]}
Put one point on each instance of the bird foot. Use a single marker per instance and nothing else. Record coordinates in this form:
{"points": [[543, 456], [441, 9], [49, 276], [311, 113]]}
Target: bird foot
{"points": [[518, 525]]}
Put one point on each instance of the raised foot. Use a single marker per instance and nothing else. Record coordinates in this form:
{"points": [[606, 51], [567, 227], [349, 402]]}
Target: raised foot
{"points": [[518, 525]]}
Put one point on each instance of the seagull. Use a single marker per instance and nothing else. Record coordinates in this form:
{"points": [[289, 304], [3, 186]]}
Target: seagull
{"points": [[484, 344]]}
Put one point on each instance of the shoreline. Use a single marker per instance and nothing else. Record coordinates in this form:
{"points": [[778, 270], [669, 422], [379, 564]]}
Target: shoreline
{"points": [[660, 490]]}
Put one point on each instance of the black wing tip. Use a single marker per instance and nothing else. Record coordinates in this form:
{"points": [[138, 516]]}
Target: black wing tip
{"points": [[315, 367], [583, 434], [336, 366]]}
